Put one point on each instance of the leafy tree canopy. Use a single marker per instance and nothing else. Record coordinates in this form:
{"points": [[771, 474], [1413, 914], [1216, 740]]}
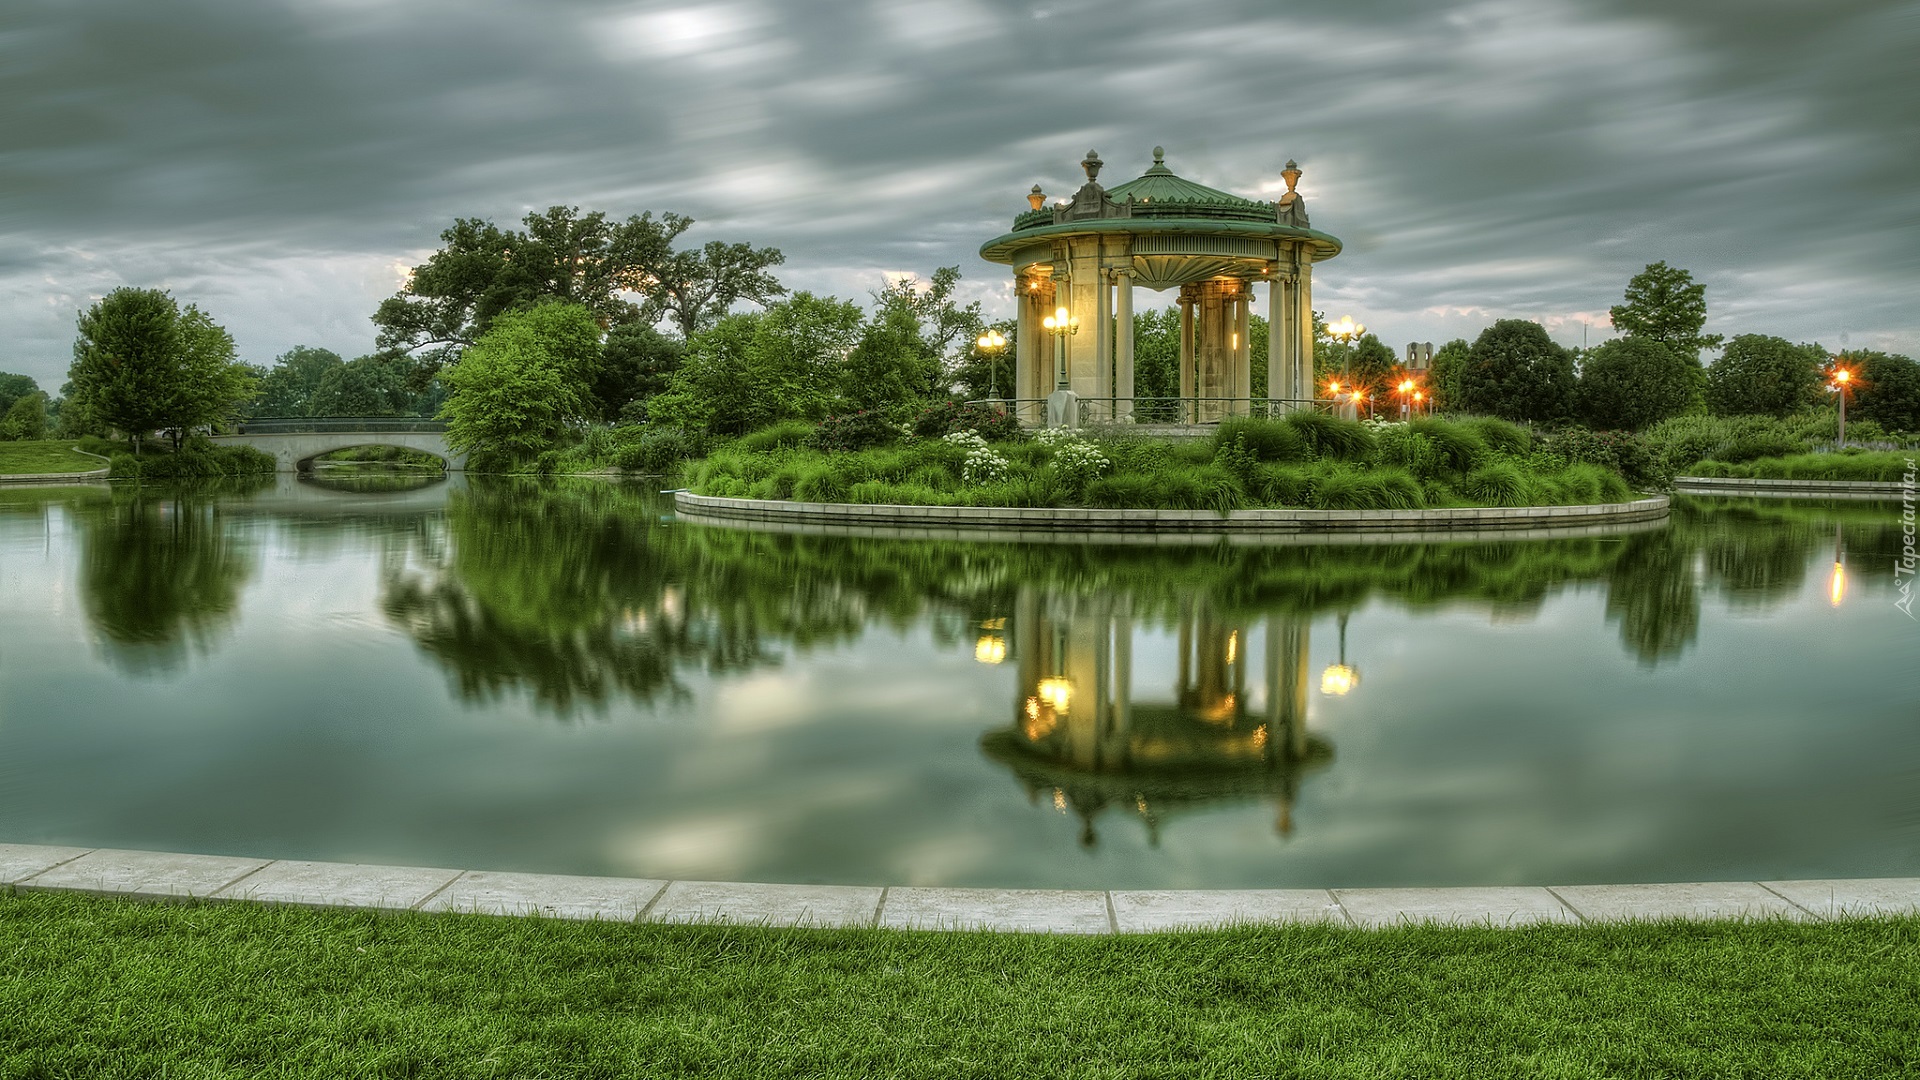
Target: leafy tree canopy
{"points": [[374, 385], [516, 388], [26, 418], [287, 387], [892, 362], [1764, 375], [1443, 372], [1514, 370], [620, 271], [1634, 382], [636, 363], [754, 369], [1887, 390], [13, 388], [1665, 304], [141, 363], [948, 330]]}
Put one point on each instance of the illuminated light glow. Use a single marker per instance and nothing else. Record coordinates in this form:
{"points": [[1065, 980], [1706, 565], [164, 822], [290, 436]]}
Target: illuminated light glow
{"points": [[1233, 646], [990, 649], [1056, 692], [1837, 587], [1260, 735], [1059, 800], [1338, 680]]}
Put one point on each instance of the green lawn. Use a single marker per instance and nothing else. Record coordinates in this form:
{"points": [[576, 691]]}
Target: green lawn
{"points": [[102, 988], [45, 456]]}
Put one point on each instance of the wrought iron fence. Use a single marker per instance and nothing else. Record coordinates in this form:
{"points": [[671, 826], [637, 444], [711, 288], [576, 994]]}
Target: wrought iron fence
{"points": [[308, 425], [1188, 411]]}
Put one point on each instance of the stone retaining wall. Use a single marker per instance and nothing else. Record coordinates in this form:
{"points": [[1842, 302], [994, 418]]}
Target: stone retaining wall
{"points": [[1114, 524], [1789, 489]]}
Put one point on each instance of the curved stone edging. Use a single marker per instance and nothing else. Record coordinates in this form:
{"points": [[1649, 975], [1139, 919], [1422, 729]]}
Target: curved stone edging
{"points": [[54, 478], [1424, 524], [165, 876], [1877, 490]]}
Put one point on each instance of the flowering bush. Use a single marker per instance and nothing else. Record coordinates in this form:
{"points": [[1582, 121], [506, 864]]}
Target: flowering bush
{"points": [[1077, 462]]}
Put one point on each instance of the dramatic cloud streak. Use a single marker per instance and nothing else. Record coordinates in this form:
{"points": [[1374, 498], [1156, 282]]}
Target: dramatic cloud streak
{"points": [[282, 163]]}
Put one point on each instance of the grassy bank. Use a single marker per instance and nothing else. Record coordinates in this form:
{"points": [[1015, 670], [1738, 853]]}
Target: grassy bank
{"points": [[1883, 465], [1306, 460], [103, 988], [44, 456]]}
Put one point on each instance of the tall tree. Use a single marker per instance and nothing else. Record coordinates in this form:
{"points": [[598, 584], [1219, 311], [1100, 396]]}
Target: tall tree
{"points": [[1665, 304], [13, 388], [636, 363], [523, 381], [948, 329], [140, 363], [1634, 382], [1889, 389], [1443, 373], [26, 418], [891, 364], [368, 386], [620, 271], [288, 386], [1764, 375], [1514, 370], [754, 369]]}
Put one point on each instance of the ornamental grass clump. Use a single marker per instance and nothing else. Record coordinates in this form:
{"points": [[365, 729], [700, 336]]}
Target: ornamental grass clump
{"points": [[1332, 437]]}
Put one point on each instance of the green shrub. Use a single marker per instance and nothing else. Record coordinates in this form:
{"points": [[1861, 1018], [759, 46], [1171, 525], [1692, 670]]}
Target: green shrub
{"points": [[1266, 440], [1753, 447], [652, 448], [1332, 437], [1460, 446], [1501, 436], [789, 433], [1499, 484], [1123, 491], [1283, 485], [197, 459], [989, 422], [821, 484], [854, 431]]}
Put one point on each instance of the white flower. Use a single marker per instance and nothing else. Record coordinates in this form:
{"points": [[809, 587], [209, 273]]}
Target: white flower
{"points": [[982, 466]]}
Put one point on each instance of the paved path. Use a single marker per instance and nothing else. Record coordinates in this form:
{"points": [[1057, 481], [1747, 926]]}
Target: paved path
{"points": [[160, 875]]}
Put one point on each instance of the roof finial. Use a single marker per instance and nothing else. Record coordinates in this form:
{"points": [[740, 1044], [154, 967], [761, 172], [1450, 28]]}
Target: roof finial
{"points": [[1092, 164], [1036, 198], [1159, 163], [1159, 155], [1292, 174]]}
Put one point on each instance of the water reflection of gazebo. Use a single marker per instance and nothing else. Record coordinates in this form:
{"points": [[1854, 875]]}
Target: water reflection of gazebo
{"points": [[1080, 738], [1075, 265]]}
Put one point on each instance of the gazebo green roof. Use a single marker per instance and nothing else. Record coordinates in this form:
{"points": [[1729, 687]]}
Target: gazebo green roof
{"points": [[1157, 201], [1158, 187]]}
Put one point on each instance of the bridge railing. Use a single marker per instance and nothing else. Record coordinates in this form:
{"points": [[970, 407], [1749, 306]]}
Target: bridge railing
{"points": [[326, 425]]}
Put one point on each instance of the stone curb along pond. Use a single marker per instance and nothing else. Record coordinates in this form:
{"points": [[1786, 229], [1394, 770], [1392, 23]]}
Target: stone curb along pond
{"points": [[151, 875], [1085, 520]]}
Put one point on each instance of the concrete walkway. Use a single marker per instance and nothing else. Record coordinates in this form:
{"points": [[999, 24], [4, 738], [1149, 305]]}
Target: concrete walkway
{"points": [[159, 875]]}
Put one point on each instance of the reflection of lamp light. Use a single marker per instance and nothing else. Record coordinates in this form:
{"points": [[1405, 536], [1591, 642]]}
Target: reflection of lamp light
{"points": [[1233, 646], [1056, 692], [1837, 585], [990, 649], [1340, 679]]}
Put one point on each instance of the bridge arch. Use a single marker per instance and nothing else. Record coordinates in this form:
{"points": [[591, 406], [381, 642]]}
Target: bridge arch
{"points": [[294, 442]]}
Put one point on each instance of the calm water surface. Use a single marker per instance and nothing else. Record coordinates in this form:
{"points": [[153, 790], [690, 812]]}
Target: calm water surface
{"points": [[562, 678]]}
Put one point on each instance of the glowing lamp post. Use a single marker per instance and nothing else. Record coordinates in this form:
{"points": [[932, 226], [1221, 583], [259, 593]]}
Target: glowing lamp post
{"points": [[992, 344], [1061, 324], [1406, 398], [1842, 384], [1340, 679]]}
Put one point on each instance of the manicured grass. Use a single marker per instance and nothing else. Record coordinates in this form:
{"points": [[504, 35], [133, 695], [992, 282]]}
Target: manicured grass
{"points": [[44, 456], [103, 988]]}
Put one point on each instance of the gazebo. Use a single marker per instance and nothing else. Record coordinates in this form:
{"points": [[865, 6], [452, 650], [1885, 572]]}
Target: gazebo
{"points": [[1076, 264]]}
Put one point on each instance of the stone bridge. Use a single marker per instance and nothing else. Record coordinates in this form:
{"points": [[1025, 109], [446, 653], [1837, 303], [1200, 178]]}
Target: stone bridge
{"points": [[295, 441]]}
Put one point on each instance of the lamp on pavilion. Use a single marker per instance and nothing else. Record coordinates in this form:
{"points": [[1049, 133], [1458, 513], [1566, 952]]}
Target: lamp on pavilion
{"points": [[1060, 324]]}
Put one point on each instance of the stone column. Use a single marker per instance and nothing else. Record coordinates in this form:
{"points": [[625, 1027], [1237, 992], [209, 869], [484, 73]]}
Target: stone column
{"points": [[1102, 387], [1281, 309], [1123, 351], [1022, 343], [1185, 414], [1303, 329], [1243, 349]]}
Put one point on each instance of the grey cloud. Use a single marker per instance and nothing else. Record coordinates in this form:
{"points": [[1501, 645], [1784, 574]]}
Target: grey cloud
{"points": [[1509, 157]]}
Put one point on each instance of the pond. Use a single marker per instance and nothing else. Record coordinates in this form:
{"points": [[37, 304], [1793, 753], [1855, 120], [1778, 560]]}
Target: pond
{"points": [[564, 678]]}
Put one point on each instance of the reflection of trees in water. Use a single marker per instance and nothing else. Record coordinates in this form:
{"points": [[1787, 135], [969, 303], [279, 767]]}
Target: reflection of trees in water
{"points": [[581, 593], [574, 593], [161, 575]]}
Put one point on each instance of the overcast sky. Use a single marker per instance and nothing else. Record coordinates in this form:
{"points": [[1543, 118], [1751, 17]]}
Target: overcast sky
{"points": [[282, 162]]}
